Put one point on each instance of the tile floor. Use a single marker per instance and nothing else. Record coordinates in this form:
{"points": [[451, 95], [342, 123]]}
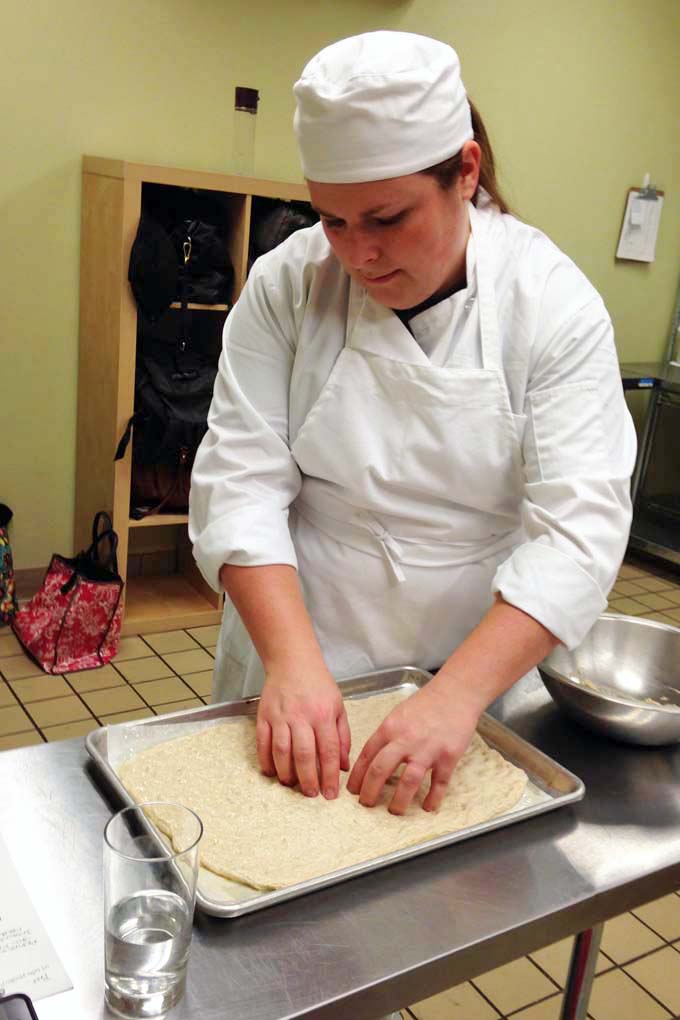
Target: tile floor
{"points": [[638, 974]]}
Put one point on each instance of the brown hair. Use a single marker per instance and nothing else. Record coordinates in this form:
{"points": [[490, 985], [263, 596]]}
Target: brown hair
{"points": [[447, 172]]}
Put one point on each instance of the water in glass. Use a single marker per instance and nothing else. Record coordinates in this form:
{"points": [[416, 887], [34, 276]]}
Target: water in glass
{"points": [[148, 936]]}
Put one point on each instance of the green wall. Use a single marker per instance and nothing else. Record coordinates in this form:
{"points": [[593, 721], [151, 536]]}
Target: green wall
{"points": [[580, 98]]}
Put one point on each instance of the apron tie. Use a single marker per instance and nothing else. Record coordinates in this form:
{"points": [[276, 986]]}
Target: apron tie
{"points": [[391, 549]]}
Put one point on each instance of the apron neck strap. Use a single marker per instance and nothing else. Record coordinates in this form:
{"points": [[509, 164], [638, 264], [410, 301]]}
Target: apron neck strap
{"points": [[486, 298]]}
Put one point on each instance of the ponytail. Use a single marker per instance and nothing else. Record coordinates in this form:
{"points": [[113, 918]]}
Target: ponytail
{"points": [[447, 171]]}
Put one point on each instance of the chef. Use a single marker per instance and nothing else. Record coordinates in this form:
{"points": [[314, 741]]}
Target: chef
{"points": [[418, 448]]}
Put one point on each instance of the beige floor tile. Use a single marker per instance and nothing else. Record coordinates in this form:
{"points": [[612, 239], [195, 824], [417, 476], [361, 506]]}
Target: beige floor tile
{"points": [[160, 692], [205, 635], [514, 985], [116, 699], [95, 679], [615, 996], [673, 594], [8, 644], [190, 662], [27, 739], [549, 1009], [138, 671], [655, 584], [674, 614], [171, 641], [659, 973], [70, 730], [628, 570], [13, 719], [654, 600], [662, 618], [178, 706], [6, 696], [132, 648], [663, 915], [554, 959], [625, 937], [201, 683], [630, 607], [40, 688], [460, 1003], [17, 667], [134, 713], [622, 588], [603, 963], [56, 711]]}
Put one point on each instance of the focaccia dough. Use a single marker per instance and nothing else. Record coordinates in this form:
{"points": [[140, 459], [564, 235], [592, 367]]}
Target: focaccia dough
{"points": [[268, 836]]}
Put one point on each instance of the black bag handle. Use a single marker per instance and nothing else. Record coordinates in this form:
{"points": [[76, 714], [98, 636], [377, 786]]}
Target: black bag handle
{"points": [[111, 561], [92, 556], [93, 553], [100, 516]]}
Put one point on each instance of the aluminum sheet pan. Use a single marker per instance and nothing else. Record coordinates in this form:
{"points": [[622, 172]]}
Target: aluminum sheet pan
{"points": [[550, 786]]}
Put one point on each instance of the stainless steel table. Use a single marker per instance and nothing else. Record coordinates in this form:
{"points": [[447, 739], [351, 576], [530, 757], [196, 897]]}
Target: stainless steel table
{"points": [[358, 950]]}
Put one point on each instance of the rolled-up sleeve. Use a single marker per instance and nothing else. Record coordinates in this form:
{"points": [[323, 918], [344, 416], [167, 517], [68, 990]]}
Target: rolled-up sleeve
{"points": [[579, 452], [244, 477]]}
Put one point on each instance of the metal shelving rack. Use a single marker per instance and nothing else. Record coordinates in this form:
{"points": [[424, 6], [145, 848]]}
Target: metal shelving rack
{"points": [[656, 482]]}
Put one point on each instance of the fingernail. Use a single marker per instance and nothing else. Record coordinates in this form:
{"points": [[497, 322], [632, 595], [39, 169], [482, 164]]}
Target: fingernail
{"points": [[329, 793]]}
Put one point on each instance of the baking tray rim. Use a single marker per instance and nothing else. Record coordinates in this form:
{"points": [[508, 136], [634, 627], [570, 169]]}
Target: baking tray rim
{"points": [[354, 686]]}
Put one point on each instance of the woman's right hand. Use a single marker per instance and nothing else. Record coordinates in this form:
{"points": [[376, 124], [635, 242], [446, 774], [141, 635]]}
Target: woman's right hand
{"points": [[302, 731]]}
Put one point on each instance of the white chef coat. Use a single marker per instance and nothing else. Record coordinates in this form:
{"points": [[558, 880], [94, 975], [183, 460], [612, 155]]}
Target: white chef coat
{"points": [[416, 490]]}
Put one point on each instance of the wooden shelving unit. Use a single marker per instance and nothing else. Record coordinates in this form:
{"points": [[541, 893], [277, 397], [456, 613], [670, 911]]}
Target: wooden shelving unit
{"points": [[111, 207]]}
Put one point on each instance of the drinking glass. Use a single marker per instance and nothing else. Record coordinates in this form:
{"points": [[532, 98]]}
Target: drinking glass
{"points": [[149, 897]]}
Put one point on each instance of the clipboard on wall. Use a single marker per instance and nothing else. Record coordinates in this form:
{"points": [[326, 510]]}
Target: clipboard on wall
{"points": [[640, 227]]}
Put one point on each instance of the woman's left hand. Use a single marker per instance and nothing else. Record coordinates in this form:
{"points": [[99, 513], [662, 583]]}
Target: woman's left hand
{"points": [[430, 730]]}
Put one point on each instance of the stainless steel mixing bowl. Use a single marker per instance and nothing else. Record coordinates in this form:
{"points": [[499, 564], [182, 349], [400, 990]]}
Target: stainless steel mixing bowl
{"points": [[623, 680]]}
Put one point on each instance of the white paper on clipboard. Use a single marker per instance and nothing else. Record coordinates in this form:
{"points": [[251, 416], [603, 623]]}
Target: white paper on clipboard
{"points": [[640, 227]]}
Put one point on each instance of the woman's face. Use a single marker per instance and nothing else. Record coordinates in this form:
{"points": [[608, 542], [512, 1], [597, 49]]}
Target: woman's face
{"points": [[403, 239]]}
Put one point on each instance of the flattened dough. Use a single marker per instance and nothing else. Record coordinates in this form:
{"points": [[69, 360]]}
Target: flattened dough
{"points": [[268, 836]]}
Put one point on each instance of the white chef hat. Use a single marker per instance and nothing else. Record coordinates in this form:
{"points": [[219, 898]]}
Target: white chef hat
{"points": [[380, 105]]}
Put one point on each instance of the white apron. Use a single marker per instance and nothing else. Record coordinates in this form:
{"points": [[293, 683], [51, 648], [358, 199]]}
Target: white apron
{"points": [[410, 500]]}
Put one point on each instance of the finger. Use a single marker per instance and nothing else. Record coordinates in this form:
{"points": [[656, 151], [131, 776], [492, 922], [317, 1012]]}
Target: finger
{"points": [[345, 738], [281, 752], [407, 788], [304, 757], [328, 752], [378, 772], [368, 752], [263, 743], [439, 784]]}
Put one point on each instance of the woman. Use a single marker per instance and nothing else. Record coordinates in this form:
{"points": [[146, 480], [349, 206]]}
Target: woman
{"points": [[418, 448]]}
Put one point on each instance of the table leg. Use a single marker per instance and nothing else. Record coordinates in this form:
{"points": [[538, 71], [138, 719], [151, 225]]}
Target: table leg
{"points": [[581, 974]]}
